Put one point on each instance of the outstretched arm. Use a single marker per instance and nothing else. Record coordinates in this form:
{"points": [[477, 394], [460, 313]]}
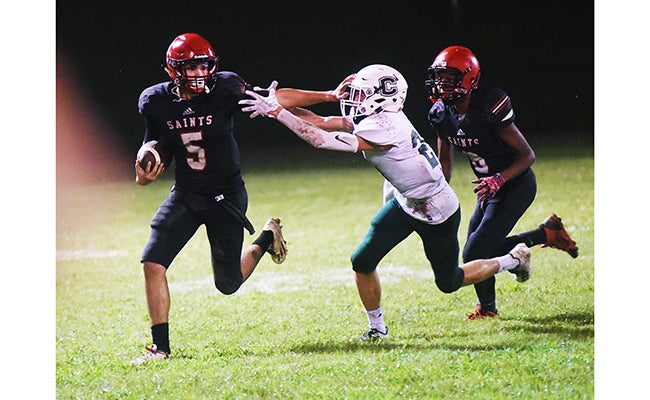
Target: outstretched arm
{"points": [[307, 131], [293, 100], [290, 98], [326, 123]]}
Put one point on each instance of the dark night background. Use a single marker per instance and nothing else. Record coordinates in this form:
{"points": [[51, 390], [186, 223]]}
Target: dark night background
{"points": [[540, 52]]}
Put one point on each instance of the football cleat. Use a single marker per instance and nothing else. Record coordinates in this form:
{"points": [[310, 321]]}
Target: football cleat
{"points": [[480, 313], [557, 237], [521, 252], [278, 249], [374, 334], [153, 354]]}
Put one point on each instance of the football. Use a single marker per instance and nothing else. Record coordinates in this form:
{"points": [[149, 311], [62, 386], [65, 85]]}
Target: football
{"points": [[154, 152]]}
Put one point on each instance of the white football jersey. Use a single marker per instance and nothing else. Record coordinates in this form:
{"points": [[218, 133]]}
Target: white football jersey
{"points": [[410, 167]]}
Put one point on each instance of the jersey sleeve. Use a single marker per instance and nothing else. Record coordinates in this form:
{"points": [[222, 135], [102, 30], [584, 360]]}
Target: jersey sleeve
{"points": [[370, 130], [233, 84], [436, 113], [442, 121], [498, 108], [151, 129]]}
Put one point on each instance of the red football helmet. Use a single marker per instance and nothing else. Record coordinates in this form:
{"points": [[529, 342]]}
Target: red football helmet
{"points": [[187, 52], [455, 72]]}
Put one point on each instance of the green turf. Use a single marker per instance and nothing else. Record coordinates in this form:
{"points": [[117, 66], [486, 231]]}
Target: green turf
{"points": [[291, 331]]}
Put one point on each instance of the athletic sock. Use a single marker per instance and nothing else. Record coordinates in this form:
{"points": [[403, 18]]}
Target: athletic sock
{"points": [[534, 237], [376, 320], [160, 335], [490, 305], [264, 240], [507, 261]]}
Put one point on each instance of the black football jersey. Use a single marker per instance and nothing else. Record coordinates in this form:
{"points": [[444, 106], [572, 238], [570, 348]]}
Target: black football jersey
{"points": [[199, 132], [474, 134]]}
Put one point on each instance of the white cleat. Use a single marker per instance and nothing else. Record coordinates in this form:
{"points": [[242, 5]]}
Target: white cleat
{"points": [[153, 354], [521, 252], [374, 334]]}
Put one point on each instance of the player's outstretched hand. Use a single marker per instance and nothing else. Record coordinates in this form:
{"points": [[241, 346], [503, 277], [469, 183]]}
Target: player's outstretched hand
{"points": [[260, 105], [488, 187], [273, 85], [342, 91]]}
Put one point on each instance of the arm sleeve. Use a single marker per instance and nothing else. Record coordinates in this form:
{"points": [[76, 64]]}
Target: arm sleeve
{"points": [[317, 137]]}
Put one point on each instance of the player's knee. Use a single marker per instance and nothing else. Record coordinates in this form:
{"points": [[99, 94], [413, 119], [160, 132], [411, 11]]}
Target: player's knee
{"points": [[360, 264], [362, 269], [153, 270], [446, 286], [227, 286], [450, 284]]}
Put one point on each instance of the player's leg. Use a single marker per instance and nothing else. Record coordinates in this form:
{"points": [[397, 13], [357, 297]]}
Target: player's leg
{"points": [[232, 264], [388, 227], [441, 249], [489, 225], [171, 227], [157, 293], [517, 261], [226, 237], [550, 233], [485, 290]]}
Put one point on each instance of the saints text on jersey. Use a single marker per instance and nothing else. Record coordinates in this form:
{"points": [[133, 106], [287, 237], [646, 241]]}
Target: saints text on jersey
{"points": [[463, 141], [189, 122]]}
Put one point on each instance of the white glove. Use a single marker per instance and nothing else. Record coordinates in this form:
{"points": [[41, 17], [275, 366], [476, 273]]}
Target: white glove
{"points": [[259, 105]]}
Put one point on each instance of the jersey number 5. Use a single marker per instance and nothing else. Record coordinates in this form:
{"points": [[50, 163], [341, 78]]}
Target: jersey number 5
{"points": [[196, 154]]}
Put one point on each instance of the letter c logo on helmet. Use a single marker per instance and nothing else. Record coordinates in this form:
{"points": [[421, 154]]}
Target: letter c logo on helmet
{"points": [[388, 86]]}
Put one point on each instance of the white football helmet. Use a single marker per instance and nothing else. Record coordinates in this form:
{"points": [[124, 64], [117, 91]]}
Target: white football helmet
{"points": [[374, 89]]}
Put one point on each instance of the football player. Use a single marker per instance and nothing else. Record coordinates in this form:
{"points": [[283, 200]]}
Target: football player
{"points": [[374, 124], [193, 115], [481, 124]]}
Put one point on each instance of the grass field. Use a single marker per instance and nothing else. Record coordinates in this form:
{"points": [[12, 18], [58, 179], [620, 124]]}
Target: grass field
{"points": [[291, 331]]}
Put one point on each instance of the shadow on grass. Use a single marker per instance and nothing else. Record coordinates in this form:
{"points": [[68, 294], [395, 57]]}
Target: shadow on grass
{"points": [[566, 325], [504, 333], [520, 333]]}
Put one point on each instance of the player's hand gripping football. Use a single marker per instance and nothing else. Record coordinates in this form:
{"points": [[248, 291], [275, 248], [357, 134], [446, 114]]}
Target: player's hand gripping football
{"points": [[260, 105], [488, 187], [149, 173]]}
